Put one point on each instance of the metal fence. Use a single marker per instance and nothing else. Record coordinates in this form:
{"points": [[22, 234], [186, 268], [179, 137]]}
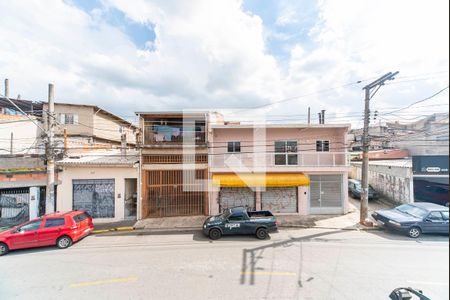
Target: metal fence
{"points": [[14, 206]]}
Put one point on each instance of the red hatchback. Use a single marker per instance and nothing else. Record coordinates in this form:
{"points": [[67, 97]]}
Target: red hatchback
{"points": [[60, 229]]}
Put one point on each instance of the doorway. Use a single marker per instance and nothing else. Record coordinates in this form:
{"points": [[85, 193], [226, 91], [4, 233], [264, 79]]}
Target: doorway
{"points": [[130, 198]]}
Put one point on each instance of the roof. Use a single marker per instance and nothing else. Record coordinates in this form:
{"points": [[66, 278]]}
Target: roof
{"points": [[399, 163], [105, 158], [4, 117], [267, 126], [430, 206], [31, 107]]}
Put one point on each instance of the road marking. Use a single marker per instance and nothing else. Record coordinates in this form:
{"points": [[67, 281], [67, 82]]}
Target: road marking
{"points": [[269, 273], [429, 283], [100, 282]]}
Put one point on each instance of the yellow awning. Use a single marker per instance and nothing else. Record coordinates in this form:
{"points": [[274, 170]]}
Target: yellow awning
{"points": [[261, 180]]}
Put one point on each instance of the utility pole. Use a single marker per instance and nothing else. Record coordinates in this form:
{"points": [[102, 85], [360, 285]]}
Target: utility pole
{"points": [[6, 88], [50, 191], [370, 91], [309, 115], [12, 144]]}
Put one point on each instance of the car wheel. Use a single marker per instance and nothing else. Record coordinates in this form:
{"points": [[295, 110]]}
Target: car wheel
{"points": [[414, 232], [3, 249], [64, 242], [261, 233], [215, 234]]}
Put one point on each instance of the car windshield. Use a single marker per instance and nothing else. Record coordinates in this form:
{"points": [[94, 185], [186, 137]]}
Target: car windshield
{"points": [[412, 210], [226, 213]]}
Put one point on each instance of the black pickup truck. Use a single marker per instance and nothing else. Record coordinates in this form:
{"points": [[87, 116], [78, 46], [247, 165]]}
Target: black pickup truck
{"points": [[239, 221]]}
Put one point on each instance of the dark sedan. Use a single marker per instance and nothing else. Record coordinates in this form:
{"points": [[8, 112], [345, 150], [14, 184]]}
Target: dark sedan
{"points": [[415, 219], [355, 190]]}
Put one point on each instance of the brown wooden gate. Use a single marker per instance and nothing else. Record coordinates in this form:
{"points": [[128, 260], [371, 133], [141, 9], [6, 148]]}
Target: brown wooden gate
{"points": [[167, 196]]}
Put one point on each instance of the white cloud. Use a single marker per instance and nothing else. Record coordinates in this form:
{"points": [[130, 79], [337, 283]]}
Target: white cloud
{"points": [[213, 54]]}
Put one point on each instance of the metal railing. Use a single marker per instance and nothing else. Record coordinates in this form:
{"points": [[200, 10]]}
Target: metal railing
{"points": [[299, 159], [172, 135]]}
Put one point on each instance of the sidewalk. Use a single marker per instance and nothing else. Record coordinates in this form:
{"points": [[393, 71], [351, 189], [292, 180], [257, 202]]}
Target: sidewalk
{"points": [[349, 221]]}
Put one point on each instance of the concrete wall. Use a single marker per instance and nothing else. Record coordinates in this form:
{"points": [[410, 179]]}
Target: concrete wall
{"points": [[106, 127], [65, 189], [395, 182], [85, 119], [26, 135]]}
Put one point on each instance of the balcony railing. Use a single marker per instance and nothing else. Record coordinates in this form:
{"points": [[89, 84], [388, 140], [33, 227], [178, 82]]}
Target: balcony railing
{"points": [[170, 135], [260, 160]]}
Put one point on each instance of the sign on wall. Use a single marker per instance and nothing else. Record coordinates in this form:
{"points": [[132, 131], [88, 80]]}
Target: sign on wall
{"points": [[430, 165]]}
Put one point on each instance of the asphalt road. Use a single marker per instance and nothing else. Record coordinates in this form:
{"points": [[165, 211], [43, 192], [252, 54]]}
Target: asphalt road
{"points": [[293, 264]]}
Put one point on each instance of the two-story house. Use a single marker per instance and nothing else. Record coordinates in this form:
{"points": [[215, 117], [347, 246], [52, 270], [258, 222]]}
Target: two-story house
{"points": [[174, 163], [89, 126], [288, 169]]}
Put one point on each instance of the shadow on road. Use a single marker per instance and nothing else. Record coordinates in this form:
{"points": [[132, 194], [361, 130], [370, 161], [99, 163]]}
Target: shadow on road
{"points": [[250, 257]]}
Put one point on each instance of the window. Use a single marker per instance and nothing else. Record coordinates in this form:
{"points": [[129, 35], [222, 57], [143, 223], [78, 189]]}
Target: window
{"points": [[234, 147], [235, 218], [31, 226], [435, 216], [81, 217], [54, 223], [68, 119], [445, 215], [286, 153], [323, 146]]}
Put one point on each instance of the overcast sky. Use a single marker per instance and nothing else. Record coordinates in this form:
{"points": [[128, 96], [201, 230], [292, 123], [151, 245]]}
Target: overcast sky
{"points": [[145, 55]]}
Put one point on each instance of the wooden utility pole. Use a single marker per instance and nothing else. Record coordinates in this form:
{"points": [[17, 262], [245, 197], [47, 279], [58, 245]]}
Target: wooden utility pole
{"points": [[376, 85], [50, 192]]}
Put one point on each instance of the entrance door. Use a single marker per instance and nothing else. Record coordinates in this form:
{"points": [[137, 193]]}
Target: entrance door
{"points": [[280, 200], [230, 197], [96, 196], [326, 195], [130, 198]]}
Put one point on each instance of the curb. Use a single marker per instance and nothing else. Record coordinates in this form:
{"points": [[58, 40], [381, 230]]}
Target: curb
{"points": [[113, 229], [191, 229]]}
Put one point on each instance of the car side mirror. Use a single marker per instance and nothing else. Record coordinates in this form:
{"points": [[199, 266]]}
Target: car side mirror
{"points": [[428, 220]]}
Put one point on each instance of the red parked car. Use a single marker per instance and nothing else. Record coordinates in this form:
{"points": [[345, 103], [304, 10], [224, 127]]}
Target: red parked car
{"points": [[60, 229]]}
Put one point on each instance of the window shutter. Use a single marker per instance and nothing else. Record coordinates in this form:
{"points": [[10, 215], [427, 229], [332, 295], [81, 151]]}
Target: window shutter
{"points": [[75, 119]]}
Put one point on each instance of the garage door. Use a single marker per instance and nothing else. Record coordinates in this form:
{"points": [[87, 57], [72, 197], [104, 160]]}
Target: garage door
{"points": [[280, 200], [234, 197], [326, 195], [94, 196]]}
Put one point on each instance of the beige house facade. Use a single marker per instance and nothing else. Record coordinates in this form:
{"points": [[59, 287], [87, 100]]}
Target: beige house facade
{"points": [[104, 184]]}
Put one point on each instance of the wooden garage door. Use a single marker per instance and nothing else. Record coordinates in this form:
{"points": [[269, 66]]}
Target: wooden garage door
{"points": [[168, 195], [280, 200], [236, 197]]}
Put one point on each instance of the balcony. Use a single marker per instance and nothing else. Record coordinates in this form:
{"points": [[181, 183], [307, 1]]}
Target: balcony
{"points": [[173, 133], [280, 161]]}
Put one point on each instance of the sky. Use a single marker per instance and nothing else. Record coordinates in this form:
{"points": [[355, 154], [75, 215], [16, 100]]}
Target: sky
{"points": [[252, 57]]}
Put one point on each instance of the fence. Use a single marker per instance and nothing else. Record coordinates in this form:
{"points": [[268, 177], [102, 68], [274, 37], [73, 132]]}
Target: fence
{"points": [[14, 206]]}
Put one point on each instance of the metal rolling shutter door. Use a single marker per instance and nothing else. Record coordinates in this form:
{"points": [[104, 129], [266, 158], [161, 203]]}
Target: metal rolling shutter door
{"points": [[233, 197], [331, 191], [95, 196], [280, 200]]}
